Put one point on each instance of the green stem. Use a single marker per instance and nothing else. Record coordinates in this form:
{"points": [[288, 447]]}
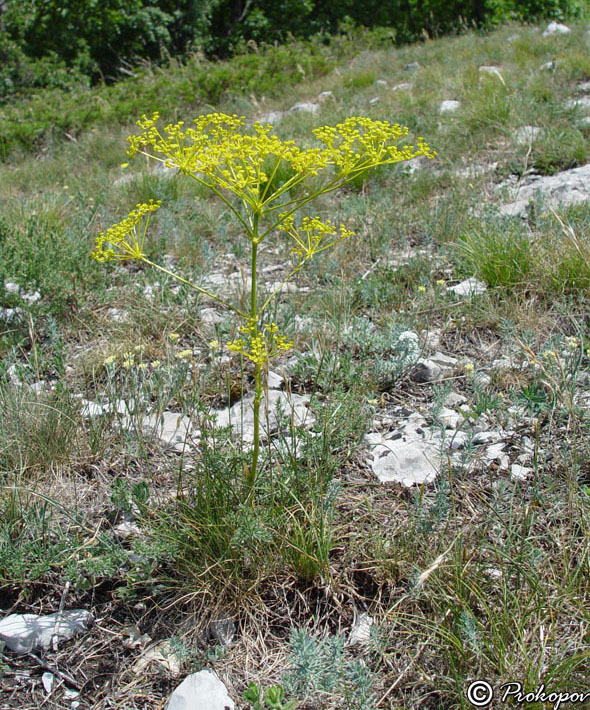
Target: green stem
{"points": [[253, 472]]}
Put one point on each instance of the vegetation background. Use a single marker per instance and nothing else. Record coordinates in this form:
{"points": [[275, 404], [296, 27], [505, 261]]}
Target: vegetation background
{"points": [[63, 43]]}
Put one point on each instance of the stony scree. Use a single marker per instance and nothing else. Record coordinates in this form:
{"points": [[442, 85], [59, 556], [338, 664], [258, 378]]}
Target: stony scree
{"points": [[568, 187]]}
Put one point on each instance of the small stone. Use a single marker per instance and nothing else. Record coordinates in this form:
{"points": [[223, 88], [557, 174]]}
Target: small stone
{"points": [[581, 102], [445, 362], [520, 473], [274, 381], [39, 388], [548, 66], [162, 655], [11, 287], [23, 633], [305, 107], [71, 694], [380, 82], [134, 637], [468, 287], [360, 634], [568, 187], [555, 28], [374, 100], [11, 313], [30, 297], [13, 375], [200, 691], [48, 679], [450, 418], [483, 379], [410, 459], [126, 529], [495, 454], [449, 106], [491, 70], [272, 117], [426, 371], [486, 437], [222, 631], [459, 440], [412, 66], [404, 86], [324, 96], [210, 316], [454, 399], [584, 87], [525, 135], [173, 429], [241, 415]]}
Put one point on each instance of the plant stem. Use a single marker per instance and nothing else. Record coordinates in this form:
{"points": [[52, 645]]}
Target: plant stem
{"points": [[253, 472]]}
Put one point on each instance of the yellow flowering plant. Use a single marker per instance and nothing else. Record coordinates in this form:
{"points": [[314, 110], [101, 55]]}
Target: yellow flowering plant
{"points": [[242, 168]]}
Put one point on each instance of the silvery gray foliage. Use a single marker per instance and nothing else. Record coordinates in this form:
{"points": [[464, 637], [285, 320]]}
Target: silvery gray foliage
{"points": [[321, 666]]}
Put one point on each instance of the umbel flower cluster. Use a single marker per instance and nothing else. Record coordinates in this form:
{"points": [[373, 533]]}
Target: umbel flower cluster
{"points": [[260, 178]]}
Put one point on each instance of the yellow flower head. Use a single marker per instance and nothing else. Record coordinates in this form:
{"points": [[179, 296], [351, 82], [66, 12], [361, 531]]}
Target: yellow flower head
{"points": [[108, 360], [156, 364], [125, 239], [422, 289], [184, 354], [260, 346], [469, 367], [360, 143], [312, 235], [216, 151], [174, 336]]}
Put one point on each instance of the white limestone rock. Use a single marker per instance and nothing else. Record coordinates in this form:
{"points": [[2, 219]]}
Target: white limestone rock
{"points": [[568, 187], [324, 96], [555, 28], [409, 455], [449, 106], [468, 287], [582, 102], [174, 430], [520, 473], [305, 107], [201, 691], [23, 633], [241, 415]]}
